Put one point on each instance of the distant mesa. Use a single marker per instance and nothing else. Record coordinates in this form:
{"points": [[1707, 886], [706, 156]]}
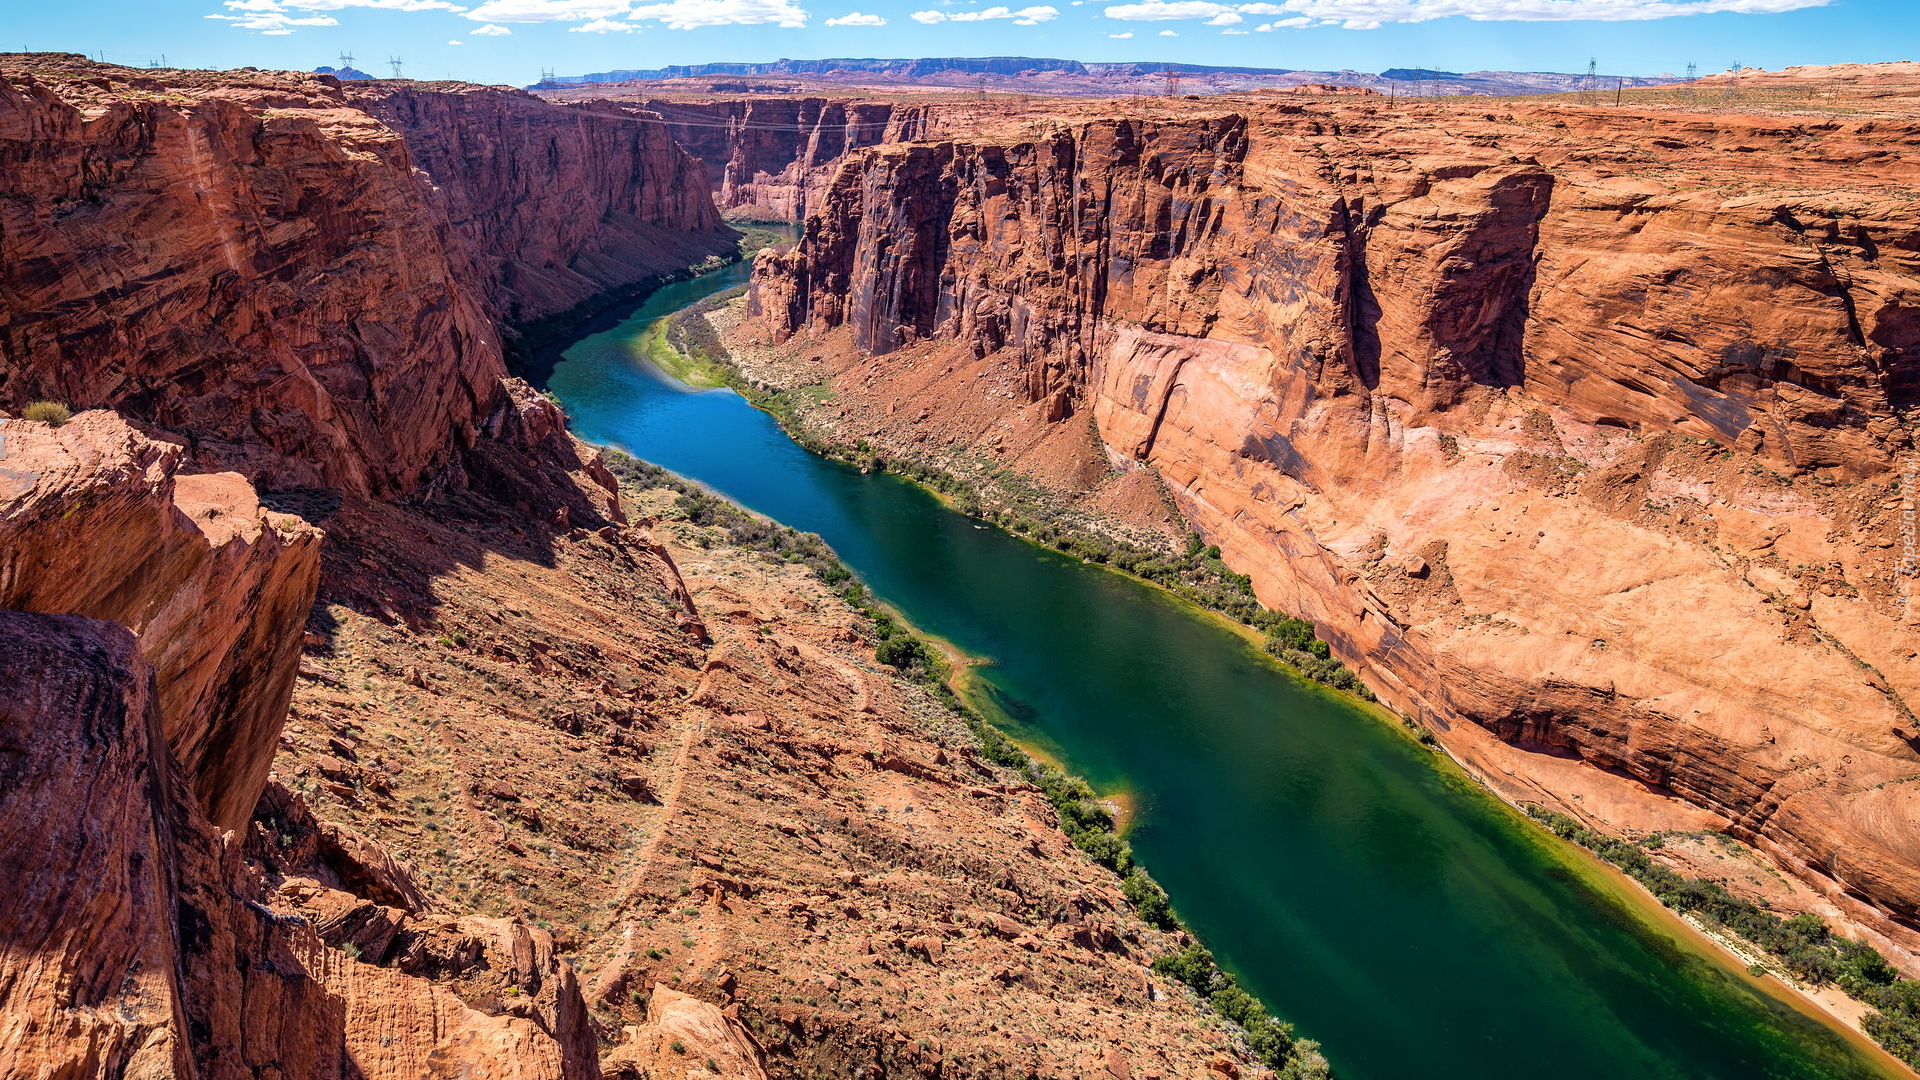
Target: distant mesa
{"points": [[342, 72], [1057, 76]]}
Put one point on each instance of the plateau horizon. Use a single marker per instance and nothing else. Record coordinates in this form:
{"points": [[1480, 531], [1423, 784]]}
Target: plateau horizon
{"points": [[514, 41]]}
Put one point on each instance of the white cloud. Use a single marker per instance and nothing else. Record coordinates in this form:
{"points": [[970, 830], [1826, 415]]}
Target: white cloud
{"points": [[1372, 14], [1159, 10], [1227, 18], [689, 14], [1027, 16], [273, 23], [598, 15], [604, 26], [1121, 37], [490, 30], [855, 18], [279, 17], [539, 11]]}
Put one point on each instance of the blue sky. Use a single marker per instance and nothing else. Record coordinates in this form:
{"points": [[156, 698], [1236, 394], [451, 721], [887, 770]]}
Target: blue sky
{"points": [[512, 40]]}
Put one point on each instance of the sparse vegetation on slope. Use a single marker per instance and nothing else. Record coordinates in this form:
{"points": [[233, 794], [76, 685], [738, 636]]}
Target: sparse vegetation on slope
{"points": [[1086, 820], [1803, 945]]}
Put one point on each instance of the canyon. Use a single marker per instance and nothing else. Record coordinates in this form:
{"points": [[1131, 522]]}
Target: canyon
{"points": [[1578, 432], [410, 735], [361, 722]]}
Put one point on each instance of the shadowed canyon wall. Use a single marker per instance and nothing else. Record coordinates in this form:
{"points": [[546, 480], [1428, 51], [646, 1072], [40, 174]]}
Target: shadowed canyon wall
{"points": [[1574, 431]]}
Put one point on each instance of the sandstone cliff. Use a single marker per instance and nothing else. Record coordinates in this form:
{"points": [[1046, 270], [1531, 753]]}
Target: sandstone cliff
{"points": [[763, 155], [555, 206], [304, 280], [96, 520], [1572, 430]]}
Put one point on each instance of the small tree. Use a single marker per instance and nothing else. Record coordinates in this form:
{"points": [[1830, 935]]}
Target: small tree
{"points": [[48, 412]]}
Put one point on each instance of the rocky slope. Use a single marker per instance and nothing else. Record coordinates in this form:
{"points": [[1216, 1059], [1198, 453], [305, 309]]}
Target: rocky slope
{"points": [[750, 837], [1577, 431]]}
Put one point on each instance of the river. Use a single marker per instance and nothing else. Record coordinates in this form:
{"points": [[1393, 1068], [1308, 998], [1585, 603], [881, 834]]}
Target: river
{"points": [[1357, 882]]}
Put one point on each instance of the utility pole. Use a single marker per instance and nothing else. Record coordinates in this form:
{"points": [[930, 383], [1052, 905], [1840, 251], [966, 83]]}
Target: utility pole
{"points": [[1617, 88], [394, 62]]}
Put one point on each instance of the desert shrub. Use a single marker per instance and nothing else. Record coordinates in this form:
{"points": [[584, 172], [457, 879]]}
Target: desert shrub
{"points": [[48, 412]]}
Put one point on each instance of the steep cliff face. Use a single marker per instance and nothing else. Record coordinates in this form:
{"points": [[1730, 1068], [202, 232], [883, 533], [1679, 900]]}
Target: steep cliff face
{"points": [[254, 264], [554, 205], [304, 279], [97, 520], [769, 157], [1568, 427]]}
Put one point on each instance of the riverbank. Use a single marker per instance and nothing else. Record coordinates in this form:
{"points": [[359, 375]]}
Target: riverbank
{"points": [[1298, 835], [1089, 822], [773, 370]]}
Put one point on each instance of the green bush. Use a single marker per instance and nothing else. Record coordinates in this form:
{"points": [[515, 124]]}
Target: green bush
{"points": [[1803, 944], [47, 412], [1149, 899]]}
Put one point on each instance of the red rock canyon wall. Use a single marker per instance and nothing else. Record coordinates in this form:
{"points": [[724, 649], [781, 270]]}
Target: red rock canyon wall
{"points": [[1574, 428]]}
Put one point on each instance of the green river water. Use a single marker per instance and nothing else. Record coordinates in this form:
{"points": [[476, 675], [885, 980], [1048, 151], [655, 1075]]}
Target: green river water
{"points": [[1356, 882]]}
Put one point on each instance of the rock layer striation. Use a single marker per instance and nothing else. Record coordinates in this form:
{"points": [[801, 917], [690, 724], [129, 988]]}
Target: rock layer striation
{"points": [[1573, 430]]}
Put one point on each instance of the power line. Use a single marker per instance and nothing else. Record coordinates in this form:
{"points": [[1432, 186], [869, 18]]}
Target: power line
{"points": [[346, 60]]}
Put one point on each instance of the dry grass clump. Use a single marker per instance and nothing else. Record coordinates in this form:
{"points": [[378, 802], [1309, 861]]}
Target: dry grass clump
{"points": [[48, 412]]}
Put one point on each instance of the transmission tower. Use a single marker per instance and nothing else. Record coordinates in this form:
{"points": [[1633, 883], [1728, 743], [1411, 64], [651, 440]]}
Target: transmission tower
{"points": [[394, 62], [1693, 72], [546, 75], [1590, 84], [1733, 84], [1173, 82]]}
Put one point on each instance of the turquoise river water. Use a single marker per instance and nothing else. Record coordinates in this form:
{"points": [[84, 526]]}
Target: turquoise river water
{"points": [[1357, 883]]}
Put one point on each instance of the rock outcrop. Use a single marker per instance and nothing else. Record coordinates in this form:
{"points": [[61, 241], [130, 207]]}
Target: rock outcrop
{"points": [[765, 155], [1572, 430], [161, 959], [97, 519]]}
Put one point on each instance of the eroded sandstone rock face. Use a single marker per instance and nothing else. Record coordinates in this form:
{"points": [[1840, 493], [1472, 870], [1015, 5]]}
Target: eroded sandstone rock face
{"points": [[98, 519], [1569, 428], [310, 280], [161, 960], [555, 206], [763, 155]]}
